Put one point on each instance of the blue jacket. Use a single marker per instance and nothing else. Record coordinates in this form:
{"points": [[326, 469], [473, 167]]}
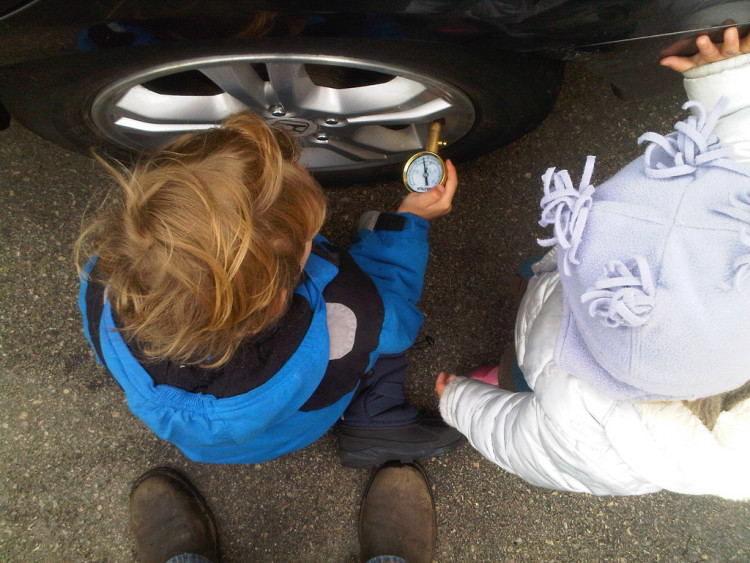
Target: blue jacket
{"points": [[298, 403]]}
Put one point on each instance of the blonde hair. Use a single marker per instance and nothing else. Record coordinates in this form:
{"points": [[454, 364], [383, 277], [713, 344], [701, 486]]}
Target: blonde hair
{"points": [[708, 409], [203, 247]]}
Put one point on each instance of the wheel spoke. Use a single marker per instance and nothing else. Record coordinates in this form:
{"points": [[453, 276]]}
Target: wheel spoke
{"points": [[354, 151], [362, 100], [241, 81], [145, 105], [289, 83], [156, 129], [317, 158], [429, 111], [337, 154]]}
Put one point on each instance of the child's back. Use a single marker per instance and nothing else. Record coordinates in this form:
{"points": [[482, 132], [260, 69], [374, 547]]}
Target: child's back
{"points": [[236, 332], [631, 333]]}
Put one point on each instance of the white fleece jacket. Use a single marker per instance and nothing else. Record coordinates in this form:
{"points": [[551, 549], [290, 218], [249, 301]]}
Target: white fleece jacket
{"points": [[567, 435]]}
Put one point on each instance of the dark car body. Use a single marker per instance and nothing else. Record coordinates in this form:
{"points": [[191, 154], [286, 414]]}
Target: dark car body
{"points": [[490, 69]]}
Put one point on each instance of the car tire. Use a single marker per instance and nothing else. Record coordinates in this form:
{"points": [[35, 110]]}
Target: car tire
{"points": [[508, 93]]}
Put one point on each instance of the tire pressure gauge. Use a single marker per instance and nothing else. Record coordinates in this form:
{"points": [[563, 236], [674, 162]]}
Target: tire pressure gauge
{"points": [[426, 169]]}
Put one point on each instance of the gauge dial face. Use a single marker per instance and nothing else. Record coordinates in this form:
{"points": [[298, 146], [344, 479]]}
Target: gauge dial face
{"points": [[424, 171]]}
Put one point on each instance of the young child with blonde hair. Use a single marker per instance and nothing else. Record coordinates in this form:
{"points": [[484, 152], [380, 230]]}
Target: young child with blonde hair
{"points": [[236, 331], [632, 335]]}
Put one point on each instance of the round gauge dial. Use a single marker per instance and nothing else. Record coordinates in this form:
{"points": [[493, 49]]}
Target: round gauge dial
{"points": [[423, 171]]}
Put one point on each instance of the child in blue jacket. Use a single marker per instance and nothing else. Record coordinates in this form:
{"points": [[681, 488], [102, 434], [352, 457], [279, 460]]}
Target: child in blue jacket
{"points": [[238, 333]]}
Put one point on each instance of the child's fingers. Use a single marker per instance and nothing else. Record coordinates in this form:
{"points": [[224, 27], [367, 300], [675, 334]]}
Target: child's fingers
{"points": [[708, 50], [442, 380], [443, 193], [432, 199], [745, 44], [440, 383], [451, 181], [679, 64], [435, 194], [445, 379], [731, 45]]}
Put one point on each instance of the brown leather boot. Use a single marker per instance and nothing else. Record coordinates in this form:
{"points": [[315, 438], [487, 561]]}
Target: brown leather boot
{"points": [[398, 515], [169, 517]]}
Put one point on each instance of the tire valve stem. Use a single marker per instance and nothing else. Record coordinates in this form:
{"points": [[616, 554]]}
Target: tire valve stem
{"points": [[433, 136]]}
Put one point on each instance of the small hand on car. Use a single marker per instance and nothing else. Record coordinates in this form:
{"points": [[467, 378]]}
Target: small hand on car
{"points": [[709, 52]]}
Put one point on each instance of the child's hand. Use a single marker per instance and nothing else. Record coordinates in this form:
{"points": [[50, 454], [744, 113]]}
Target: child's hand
{"points": [[710, 53], [442, 380], [435, 202]]}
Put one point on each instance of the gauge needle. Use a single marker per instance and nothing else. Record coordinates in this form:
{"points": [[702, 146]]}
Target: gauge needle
{"points": [[424, 163]]}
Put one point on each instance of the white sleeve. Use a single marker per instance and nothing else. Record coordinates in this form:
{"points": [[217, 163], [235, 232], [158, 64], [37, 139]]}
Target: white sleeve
{"points": [[730, 78], [566, 449], [537, 323]]}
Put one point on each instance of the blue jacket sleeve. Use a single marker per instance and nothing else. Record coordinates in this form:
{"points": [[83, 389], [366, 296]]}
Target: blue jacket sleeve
{"points": [[392, 249]]}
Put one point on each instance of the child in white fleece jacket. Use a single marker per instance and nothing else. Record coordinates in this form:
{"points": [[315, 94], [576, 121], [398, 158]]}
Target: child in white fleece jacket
{"points": [[633, 333]]}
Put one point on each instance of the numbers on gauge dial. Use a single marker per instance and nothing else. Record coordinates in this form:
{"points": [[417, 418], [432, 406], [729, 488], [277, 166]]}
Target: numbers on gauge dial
{"points": [[424, 172]]}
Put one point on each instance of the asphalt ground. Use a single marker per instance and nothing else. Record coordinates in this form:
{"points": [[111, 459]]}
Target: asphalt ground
{"points": [[71, 448]]}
